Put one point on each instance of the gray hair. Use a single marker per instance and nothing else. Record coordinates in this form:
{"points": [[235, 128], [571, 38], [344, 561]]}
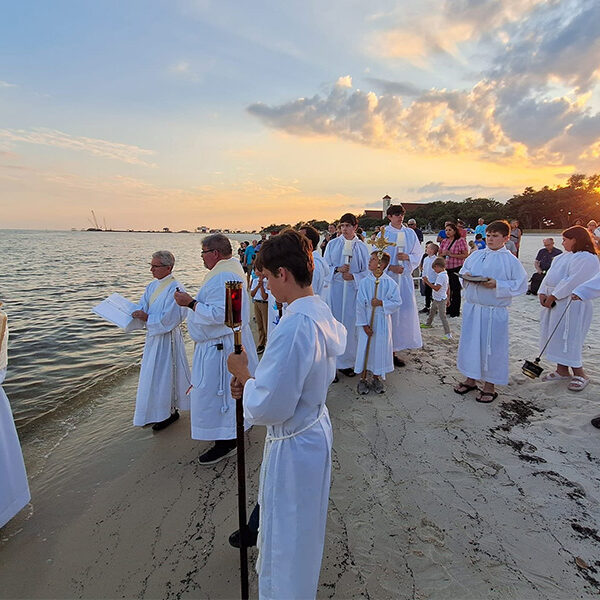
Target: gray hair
{"points": [[218, 242], [166, 258]]}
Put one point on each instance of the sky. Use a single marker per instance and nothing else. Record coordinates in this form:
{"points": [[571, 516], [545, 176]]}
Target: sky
{"points": [[188, 113]]}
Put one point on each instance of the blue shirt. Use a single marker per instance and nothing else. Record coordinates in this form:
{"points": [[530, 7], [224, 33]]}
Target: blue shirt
{"points": [[481, 229], [249, 255], [480, 244]]}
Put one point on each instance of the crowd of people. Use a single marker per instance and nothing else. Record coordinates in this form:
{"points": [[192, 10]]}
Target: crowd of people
{"points": [[341, 305]]}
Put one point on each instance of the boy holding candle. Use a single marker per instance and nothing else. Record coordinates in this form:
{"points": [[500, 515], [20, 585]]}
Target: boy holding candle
{"points": [[405, 258]]}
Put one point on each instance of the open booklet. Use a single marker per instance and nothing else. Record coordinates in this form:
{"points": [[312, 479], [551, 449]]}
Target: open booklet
{"points": [[117, 310]]}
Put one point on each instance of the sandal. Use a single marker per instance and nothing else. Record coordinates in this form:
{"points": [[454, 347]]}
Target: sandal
{"points": [[484, 395], [554, 376], [463, 388], [578, 383]]}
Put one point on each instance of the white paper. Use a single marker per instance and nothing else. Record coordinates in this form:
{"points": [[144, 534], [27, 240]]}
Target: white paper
{"points": [[117, 310]]}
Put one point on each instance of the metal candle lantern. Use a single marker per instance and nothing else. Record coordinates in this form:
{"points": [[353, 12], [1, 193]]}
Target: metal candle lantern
{"points": [[233, 312], [233, 319]]}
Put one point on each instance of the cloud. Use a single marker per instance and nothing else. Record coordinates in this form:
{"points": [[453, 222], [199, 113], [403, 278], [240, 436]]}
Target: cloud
{"points": [[5, 84], [50, 137], [530, 105], [395, 88]]}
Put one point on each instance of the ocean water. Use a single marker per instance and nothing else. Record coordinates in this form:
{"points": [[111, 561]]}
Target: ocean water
{"points": [[60, 353]]}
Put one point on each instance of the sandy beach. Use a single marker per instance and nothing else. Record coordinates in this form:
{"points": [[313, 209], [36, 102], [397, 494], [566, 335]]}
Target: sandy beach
{"points": [[433, 495]]}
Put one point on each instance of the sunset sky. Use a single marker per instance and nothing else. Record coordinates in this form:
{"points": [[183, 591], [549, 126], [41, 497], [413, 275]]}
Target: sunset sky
{"points": [[181, 113]]}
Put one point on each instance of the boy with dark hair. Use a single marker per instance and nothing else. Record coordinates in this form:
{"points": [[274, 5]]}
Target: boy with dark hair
{"points": [[348, 260], [388, 301], [483, 346], [320, 280], [479, 241], [405, 258], [288, 395]]}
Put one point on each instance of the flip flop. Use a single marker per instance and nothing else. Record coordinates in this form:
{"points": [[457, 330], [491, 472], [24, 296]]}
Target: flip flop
{"points": [[465, 388], [578, 383], [554, 376], [491, 395]]}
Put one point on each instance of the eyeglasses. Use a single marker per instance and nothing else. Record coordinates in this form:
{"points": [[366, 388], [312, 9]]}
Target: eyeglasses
{"points": [[205, 251], [158, 266]]}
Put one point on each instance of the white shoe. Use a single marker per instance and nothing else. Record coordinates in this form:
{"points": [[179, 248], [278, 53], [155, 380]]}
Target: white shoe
{"points": [[447, 336]]}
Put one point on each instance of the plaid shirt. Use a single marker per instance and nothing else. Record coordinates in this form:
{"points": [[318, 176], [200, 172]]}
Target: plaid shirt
{"points": [[458, 247]]}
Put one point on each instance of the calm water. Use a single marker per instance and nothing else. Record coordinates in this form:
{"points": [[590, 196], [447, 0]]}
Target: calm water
{"points": [[58, 349], [60, 353]]}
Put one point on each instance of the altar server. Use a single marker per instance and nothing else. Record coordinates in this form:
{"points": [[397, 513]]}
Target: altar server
{"points": [[575, 266], [388, 301], [212, 410], [288, 396], [321, 273], [406, 257], [348, 259], [483, 346], [14, 490], [165, 373]]}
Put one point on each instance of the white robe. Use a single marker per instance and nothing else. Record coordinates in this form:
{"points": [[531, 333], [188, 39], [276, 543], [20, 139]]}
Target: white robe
{"points": [[380, 359], [288, 396], [321, 276], [590, 290], [212, 408], [14, 490], [359, 267], [568, 270], [165, 373], [406, 328], [483, 346]]}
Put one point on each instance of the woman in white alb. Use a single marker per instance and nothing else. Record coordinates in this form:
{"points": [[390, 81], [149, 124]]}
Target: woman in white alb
{"points": [[573, 267]]}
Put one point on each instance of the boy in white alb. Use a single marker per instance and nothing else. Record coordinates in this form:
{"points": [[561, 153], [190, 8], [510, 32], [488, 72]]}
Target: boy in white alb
{"points": [[388, 301], [439, 288], [483, 346], [288, 395]]}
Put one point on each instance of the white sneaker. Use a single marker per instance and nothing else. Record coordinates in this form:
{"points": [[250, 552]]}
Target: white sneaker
{"points": [[448, 336]]}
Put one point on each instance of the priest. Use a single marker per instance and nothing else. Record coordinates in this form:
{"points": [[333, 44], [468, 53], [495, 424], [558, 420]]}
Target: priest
{"points": [[288, 396], [405, 258], [348, 260], [165, 373], [212, 407], [14, 490]]}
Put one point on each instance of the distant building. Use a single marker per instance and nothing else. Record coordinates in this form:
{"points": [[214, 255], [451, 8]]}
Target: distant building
{"points": [[386, 203]]}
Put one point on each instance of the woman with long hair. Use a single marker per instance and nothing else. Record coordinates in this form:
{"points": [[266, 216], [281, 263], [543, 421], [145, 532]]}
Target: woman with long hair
{"points": [[576, 265], [454, 249]]}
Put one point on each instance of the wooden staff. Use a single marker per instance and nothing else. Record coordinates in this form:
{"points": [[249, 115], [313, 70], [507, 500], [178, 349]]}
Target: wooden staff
{"points": [[233, 319], [381, 244], [347, 254]]}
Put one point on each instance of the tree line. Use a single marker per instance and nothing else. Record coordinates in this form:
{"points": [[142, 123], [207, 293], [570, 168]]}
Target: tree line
{"points": [[546, 208]]}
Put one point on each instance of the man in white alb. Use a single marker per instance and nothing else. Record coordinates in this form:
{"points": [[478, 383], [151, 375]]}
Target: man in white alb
{"points": [[212, 408], [165, 373]]}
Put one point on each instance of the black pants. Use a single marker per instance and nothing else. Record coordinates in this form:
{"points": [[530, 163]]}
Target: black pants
{"points": [[254, 520], [427, 295], [455, 290]]}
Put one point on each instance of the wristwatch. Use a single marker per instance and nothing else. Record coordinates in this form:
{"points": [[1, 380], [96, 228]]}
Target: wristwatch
{"points": [[192, 304]]}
